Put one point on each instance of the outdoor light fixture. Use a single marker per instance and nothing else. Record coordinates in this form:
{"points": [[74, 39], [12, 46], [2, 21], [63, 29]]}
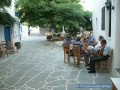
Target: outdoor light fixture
{"points": [[108, 5]]}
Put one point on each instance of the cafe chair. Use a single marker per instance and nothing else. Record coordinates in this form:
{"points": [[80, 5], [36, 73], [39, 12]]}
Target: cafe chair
{"points": [[76, 54], [107, 63], [67, 53]]}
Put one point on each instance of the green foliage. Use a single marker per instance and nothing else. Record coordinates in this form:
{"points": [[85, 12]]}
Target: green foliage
{"points": [[88, 21], [52, 13], [6, 19], [4, 3]]}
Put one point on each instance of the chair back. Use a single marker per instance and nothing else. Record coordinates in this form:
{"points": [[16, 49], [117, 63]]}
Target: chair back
{"points": [[10, 44], [66, 48], [76, 51], [108, 62], [111, 55], [85, 46], [3, 44]]}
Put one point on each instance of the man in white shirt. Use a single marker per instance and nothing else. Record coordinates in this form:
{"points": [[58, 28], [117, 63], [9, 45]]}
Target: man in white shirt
{"points": [[105, 54], [94, 50], [97, 46]]}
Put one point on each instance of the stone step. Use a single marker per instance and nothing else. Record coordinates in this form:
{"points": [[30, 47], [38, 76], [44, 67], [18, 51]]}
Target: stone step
{"points": [[116, 72]]}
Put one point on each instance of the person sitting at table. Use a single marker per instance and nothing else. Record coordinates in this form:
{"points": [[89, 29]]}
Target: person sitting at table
{"points": [[97, 46], [104, 55], [78, 42], [67, 41], [91, 51], [90, 40]]}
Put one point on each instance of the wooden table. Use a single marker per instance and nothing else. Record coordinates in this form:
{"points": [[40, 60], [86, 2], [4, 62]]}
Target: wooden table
{"points": [[116, 83]]}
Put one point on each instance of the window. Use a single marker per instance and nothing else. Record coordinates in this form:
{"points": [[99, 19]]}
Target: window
{"points": [[103, 19]]}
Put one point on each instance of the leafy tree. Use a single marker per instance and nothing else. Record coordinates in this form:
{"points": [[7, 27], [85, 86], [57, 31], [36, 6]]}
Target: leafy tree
{"points": [[4, 3], [50, 13], [5, 17], [88, 21]]}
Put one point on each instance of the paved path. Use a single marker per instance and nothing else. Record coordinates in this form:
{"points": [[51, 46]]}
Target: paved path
{"points": [[39, 66]]}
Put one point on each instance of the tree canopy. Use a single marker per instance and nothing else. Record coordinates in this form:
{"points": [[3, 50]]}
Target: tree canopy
{"points": [[51, 13], [5, 17], [88, 21], [4, 3]]}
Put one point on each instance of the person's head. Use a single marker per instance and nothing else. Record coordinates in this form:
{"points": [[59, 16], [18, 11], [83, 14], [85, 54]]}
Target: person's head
{"points": [[100, 38], [103, 42], [68, 36]]}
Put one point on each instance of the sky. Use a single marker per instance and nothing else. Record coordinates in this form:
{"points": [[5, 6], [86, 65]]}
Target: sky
{"points": [[87, 4]]}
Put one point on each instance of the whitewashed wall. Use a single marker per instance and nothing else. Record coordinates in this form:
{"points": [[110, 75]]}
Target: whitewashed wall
{"points": [[11, 9], [113, 41], [24, 31], [98, 4], [16, 33], [2, 33], [117, 34], [15, 29]]}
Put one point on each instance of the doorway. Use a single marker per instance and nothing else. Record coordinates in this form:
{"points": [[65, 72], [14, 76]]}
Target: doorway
{"points": [[7, 34]]}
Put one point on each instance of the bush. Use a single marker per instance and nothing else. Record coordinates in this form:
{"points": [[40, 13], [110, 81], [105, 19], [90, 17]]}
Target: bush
{"points": [[59, 35], [55, 38], [18, 45], [49, 37]]}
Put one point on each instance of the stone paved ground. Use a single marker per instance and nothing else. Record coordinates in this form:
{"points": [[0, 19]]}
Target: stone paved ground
{"points": [[39, 66]]}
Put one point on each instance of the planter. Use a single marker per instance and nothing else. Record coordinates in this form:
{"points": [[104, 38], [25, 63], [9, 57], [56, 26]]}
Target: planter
{"points": [[18, 45]]}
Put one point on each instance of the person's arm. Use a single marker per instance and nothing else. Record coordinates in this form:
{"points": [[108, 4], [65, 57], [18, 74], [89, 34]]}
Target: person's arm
{"points": [[106, 51]]}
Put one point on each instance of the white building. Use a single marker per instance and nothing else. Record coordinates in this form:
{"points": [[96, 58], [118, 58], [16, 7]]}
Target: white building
{"points": [[14, 32], [106, 22]]}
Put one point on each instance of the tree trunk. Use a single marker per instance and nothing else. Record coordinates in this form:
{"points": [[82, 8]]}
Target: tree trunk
{"points": [[53, 27], [28, 30]]}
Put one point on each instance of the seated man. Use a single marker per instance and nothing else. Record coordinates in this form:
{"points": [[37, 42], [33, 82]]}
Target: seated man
{"points": [[97, 46], [90, 40], [78, 42], [92, 51], [67, 41], [104, 55]]}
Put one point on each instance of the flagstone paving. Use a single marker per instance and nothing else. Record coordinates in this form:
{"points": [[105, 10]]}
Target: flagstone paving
{"points": [[39, 66]]}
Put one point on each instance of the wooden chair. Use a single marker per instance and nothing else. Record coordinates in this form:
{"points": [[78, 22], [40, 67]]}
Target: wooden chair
{"points": [[66, 53], [76, 54], [11, 47], [85, 57], [2, 51], [107, 63], [4, 47], [3, 44]]}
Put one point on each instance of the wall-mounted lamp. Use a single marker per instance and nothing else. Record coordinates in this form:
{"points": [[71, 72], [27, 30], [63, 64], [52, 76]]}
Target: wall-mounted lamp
{"points": [[108, 5]]}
